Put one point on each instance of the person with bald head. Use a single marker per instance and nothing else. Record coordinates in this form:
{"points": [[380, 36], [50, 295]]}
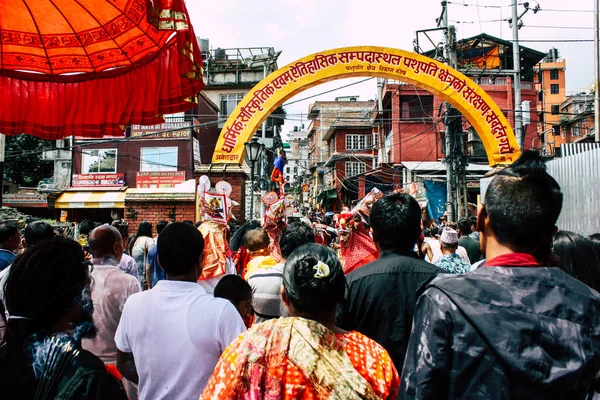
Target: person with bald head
{"points": [[110, 289]]}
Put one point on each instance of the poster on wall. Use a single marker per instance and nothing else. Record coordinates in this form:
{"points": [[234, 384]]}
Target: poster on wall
{"points": [[197, 158], [164, 179], [98, 180]]}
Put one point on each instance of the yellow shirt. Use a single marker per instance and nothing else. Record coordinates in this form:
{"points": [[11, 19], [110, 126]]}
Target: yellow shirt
{"points": [[257, 263]]}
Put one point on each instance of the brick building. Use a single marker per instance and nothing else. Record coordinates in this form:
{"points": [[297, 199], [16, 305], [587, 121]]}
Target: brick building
{"points": [[327, 159], [550, 81], [148, 174], [576, 124], [351, 142]]}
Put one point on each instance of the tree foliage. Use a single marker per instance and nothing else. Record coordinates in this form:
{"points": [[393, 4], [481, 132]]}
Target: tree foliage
{"points": [[23, 163]]}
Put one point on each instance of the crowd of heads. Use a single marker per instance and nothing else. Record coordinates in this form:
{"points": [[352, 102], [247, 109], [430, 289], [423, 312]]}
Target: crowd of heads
{"points": [[49, 288], [522, 205], [396, 222], [180, 248]]}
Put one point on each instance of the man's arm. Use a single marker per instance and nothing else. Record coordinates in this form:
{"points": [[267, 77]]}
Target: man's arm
{"points": [[426, 372], [426, 249], [126, 366], [149, 269], [231, 326]]}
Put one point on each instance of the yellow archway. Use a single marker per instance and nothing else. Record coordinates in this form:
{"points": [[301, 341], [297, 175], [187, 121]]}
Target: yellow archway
{"points": [[473, 102]]}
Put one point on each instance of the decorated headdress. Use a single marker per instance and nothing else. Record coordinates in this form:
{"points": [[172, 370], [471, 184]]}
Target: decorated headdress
{"points": [[215, 204], [364, 206], [275, 219]]}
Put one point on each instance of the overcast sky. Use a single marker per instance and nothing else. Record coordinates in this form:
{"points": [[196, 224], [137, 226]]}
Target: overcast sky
{"points": [[302, 27]]}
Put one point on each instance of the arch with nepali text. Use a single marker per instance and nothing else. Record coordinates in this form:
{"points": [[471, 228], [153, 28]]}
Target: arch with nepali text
{"points": [[452, 86]]}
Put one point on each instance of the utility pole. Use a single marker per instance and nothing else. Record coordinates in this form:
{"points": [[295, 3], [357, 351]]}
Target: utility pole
{"points": [[597, 70], [517, 68], [455, 160]]}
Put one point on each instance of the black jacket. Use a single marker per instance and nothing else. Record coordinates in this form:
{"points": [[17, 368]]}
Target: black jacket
{"points": [[381, 297], [85, 379], [504, 333]]}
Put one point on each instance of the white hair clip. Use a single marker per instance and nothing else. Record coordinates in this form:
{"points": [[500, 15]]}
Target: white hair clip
{"points": [[322, 270]]}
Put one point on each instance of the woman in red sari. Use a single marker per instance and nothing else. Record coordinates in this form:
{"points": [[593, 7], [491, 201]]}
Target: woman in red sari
{"points": [[305, 356]]}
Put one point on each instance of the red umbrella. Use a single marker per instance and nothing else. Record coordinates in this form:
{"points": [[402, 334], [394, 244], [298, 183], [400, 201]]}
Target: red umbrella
{"points": [[90, 67]]}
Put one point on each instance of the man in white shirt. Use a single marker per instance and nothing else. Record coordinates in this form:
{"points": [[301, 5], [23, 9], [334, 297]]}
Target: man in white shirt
{"points": [[110, 289], [171, 337]]}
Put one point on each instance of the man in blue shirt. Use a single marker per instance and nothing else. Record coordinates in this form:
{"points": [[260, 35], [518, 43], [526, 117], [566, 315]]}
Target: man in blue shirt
{"points": [[10, 240], [451, 262]]}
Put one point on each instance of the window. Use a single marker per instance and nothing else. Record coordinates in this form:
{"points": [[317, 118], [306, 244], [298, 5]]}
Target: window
{"points": [[416, 107], [158, 159], [295, 170], [356, 142], [229, 102], [554, 89], [554, 110], [354, 168], [287, 170], [375, 140], [96, 161], [554, 74]]}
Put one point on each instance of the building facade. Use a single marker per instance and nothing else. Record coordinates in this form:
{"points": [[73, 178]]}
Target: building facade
{"points": [[148, 174], [328, 152], [230, 74], [576, 123], [550, 81]]}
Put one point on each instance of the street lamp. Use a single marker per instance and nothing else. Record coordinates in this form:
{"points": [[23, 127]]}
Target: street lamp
{"points": [[254, 152]]}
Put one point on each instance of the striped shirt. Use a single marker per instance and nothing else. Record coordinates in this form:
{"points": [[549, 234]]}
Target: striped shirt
{"points": [[266, 292]]}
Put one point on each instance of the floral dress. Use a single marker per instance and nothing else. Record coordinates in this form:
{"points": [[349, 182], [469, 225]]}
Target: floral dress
{"points": [[296, 358]]}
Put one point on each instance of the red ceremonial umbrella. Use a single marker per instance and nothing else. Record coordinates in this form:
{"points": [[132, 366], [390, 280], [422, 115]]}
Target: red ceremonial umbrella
{"points": [[90, 67]]}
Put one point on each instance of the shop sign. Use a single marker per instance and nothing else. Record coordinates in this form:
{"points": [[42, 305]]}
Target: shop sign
{"points": [[175, 130], [39, 200], [98, 180], [159, 179]]}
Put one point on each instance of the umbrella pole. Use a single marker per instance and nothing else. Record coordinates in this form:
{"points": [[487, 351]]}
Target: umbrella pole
{"points": [[2, 145]]}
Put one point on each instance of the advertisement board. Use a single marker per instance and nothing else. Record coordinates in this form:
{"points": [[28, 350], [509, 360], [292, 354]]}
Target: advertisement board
{"points": [[98, 180], [25, 200], [159, 179]]}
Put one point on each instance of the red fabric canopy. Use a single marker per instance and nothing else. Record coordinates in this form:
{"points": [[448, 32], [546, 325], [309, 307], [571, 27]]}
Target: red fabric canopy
{"points": [[88, 68]]}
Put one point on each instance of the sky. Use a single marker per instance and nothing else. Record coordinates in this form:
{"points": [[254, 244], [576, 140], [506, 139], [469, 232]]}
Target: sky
{"points": [[302, 27]]}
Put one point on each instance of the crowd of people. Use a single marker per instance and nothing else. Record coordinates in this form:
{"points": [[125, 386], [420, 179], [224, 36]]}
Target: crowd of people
{"points": [[370, 303]]}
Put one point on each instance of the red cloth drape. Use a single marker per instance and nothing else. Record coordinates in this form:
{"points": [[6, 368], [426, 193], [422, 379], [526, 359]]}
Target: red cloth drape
{"points": [[135, 60]]}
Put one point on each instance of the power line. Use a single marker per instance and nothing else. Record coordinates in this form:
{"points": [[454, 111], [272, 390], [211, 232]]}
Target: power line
{"points": [[557, 27], [557, 10], [326, 92], [553, 40]]}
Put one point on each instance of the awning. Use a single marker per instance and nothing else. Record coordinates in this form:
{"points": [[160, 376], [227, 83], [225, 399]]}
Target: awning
{"points": [[330, 194], [91, 200]]}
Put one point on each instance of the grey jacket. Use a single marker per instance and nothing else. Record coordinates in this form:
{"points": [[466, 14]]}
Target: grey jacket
{"points": [[504, 333]]}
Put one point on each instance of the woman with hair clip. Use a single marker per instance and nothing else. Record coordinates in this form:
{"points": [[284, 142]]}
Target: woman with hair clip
{"points": [[305, 356]]}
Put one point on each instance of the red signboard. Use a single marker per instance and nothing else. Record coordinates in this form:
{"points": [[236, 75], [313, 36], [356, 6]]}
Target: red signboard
{"points": [[98, 180], [159, 179]]}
